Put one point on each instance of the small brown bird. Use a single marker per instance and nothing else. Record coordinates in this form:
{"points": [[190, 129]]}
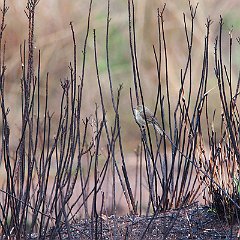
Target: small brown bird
{"points": [[150, 119]]}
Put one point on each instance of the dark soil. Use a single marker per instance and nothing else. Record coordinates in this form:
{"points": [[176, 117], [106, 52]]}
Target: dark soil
{"points": [[192, 222]]}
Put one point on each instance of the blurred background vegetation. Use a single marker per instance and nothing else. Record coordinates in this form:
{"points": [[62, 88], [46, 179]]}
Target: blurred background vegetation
{"points": [[53, 37]]}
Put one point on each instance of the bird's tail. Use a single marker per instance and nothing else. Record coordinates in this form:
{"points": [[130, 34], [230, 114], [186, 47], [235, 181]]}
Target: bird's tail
{"points": [[158, 128]]}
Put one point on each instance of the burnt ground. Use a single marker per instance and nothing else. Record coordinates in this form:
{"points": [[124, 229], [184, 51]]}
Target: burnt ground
{"points": [[192, 222]]}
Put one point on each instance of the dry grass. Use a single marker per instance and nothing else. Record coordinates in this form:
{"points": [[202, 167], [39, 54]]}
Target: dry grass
{"points": [[53, 37]]}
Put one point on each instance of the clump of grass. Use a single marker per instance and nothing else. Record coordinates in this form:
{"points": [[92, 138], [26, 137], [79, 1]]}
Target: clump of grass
{"points": [[223, 160]]}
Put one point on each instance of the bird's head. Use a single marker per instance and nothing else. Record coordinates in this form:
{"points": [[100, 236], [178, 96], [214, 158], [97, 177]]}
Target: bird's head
{"points": [[138, 108]]}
